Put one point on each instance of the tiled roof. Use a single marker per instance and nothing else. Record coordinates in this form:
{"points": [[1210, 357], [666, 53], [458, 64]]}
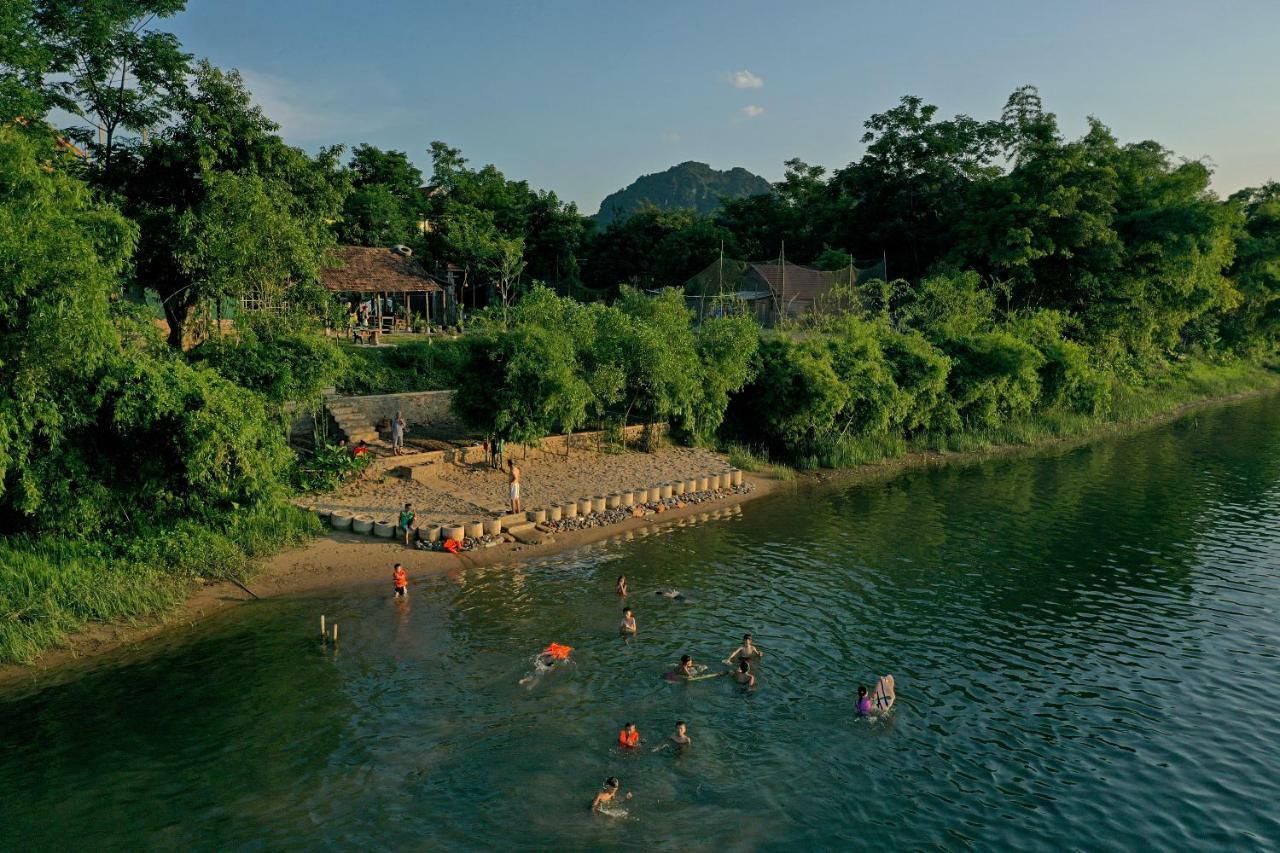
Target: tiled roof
{"points": [[365, 270]]}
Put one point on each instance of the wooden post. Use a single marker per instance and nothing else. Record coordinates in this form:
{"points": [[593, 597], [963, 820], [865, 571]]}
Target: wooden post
{"points": [[323, 633], [335, 633]]}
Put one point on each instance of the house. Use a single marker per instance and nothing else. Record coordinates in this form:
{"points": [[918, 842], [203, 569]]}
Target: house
{"points": [[394, 284], [769, 291]]}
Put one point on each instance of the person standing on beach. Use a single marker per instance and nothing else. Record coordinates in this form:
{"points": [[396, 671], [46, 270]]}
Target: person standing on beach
{"points": [[514, 487], [499, 447], [397, 434], [407, 517]]}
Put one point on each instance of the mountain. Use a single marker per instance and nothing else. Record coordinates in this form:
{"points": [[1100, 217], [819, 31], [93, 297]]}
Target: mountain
{"points": [[690, 184]]}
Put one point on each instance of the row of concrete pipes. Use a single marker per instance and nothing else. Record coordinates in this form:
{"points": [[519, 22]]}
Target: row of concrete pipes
{"points": [[719, 481]]}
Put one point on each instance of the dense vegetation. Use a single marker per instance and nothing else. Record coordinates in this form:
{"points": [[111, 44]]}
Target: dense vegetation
{"points": [[1043, 286], [687, 186]]}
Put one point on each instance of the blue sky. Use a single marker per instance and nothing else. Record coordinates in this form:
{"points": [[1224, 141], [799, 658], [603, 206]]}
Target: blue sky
{"points": [[583, 97]]}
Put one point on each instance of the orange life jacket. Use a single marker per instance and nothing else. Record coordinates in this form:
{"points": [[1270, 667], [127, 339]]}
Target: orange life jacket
{"points": [[626, 738], [557, 651], [402, 578]]}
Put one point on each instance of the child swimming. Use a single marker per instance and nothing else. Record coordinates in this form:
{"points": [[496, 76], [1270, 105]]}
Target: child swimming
{"points": [[879, 701], [743, 674], [745, 651], [549, 658], [628, 623], [607, 796]]}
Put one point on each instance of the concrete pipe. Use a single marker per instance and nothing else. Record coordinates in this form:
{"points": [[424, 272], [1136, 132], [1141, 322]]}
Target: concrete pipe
{"points": [[323, 515], [340, 520], [537, 516], [655, 494], [664, 491], [553, 512], [628, 498], [690, 486], [704, 483], [612, 501], [362, 524], [639, 497], [677, 487], [456, 532], [474, 529], [735, 477], [384, 529], [599, 503], [493, 526], [429, 533], [713, 482], [584, 506], [569, 509]]}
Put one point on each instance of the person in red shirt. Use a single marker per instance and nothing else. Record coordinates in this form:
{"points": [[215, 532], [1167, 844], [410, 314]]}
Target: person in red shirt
{"points": [[401, 579]]}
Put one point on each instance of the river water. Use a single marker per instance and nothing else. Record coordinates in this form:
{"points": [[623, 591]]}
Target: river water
{"points": [[1086, 646]]}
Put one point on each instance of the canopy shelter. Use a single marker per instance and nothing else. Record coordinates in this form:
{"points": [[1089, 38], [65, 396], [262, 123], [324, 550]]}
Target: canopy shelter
{"points": [[770, 290], [391, 282]]}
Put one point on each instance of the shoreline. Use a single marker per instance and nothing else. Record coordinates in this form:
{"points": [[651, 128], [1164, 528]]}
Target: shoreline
{"points": [[342, 559]]}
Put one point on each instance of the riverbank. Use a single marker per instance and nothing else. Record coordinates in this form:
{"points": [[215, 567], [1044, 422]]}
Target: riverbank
{"points": [[339, 559]]}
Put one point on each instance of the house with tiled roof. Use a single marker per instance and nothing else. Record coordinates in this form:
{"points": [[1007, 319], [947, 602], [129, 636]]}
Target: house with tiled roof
{"points": [[770, 290], [391, 281]]}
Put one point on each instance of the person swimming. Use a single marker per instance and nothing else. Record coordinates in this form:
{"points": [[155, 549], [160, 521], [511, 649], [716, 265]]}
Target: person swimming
{"points": [[607, 795], [679, 740], [673, 594], [746, 651], [629, 737], [549, 658], [878, 702], [743, 675], [684, 670], [628, 623], [622, 586]]}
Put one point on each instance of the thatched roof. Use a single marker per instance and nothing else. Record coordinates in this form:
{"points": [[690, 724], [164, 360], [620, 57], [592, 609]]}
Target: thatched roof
{"points": [[364, 270]]}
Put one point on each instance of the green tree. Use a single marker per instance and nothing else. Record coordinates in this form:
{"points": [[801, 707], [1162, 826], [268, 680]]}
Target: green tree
{"points": [[24, 62], [224, 205], [61, 254], [386, 202], [1254, 327], [110, 69]]}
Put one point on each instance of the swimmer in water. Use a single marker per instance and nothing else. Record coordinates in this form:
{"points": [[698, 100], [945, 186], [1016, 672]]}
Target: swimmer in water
{"points": [[686, 669], [622, 586], [629, 737], [628, 623], [679, 740], [879, 701], [549, 658], [746, 651], [743, 675], [673, 594], [608, 794]]}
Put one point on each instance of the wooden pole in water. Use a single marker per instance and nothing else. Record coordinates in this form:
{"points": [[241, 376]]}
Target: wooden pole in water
{"points": [[323, 632], [335, 633]]}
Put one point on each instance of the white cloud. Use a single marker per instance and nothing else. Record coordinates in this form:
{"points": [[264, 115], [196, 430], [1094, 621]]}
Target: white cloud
{"points": [[751, 111], [744, 79]]}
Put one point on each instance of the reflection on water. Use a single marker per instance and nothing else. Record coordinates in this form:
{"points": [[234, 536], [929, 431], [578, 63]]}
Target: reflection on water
{"points": [[1085, 645]]}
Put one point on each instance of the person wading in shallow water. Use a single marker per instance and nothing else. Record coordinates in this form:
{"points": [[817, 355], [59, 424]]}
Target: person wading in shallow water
{"points": [[608, 793], [628, 624], [400, 578]]}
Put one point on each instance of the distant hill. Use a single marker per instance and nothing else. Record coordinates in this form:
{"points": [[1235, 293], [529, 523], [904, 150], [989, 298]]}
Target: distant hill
{"points": [[690, 184]]}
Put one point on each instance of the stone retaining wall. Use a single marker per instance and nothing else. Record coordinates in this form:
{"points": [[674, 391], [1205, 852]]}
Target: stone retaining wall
{"points": [[413, 465], [420, 408]]}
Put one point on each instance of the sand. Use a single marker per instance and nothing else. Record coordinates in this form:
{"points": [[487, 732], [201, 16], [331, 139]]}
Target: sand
{"points": [[457, 493]]}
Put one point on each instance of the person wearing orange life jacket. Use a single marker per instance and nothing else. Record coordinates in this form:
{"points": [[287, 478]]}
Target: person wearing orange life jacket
{"points": [[629, 737], [553, 655], [401, 580]]}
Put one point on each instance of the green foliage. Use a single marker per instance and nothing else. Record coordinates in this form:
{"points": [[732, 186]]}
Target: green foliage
{"points": [[432, 365], [1254, 327], [60, 255], [282, 359], [328, 467]]}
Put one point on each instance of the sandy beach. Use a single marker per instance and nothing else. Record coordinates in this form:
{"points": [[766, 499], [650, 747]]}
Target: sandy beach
{"points": [[456, 493]]}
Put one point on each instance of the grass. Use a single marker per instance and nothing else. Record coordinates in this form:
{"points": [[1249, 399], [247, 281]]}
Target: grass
{"points": [[411, 365], [52, 588], [741, 456]]}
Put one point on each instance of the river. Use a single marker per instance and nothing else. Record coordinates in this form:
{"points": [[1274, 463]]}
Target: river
{"points": [[1086, 645]]}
